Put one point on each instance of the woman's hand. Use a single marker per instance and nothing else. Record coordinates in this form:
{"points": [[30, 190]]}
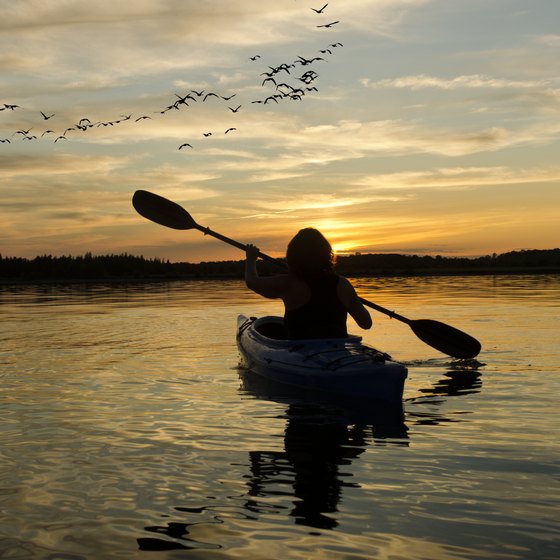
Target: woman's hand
{"points": [[251, 253]]}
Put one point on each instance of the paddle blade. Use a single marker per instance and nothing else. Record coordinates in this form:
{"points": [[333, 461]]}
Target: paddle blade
{"points": [[162, 211], [446, 339]]}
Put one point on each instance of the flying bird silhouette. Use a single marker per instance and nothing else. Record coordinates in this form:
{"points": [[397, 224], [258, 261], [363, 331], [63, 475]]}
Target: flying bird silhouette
{"points": [[47, 117], [305, 61], [320, 10], [253, 58], [22, 132], [234, 110], [183, 99], [185, 145], [230, 129], [329, 24]]}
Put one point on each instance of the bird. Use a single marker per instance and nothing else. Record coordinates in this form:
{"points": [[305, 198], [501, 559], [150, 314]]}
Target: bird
{"points": [[229, 97], [199, 93], [329, 24], [139, 118], [9, 106], [269, 80], [47, 132], [334, 45], [281, 67], [183, 99], [22, 132], [47, 117], [5, 139], [207, 134], [253, 58], [60, 138], [230, 129], [305, 61], [169, 107], [320, 10], [284, 84], [185, 145], [210, 94], [234, 110]]}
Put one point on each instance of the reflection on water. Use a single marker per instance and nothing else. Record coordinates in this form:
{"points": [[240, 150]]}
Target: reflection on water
{"points": [[322, 439], [126, 433]]}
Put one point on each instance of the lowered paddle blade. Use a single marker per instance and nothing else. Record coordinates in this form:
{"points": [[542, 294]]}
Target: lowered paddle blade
{"points": [[445, 338], [162, 211]]}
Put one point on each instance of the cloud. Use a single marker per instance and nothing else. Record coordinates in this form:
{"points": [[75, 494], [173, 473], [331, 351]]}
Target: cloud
{"points": [[453, 178], [472, 81], [549, 40]]}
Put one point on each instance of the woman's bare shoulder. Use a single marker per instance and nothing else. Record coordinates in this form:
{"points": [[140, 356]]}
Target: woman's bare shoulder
{"points": [[346, 291]]}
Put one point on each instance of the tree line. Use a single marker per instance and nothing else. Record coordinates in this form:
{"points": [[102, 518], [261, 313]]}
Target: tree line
{"points": [[130, 267]]}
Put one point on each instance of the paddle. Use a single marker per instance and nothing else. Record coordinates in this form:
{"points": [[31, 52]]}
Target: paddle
{"points": [[442, 337]]}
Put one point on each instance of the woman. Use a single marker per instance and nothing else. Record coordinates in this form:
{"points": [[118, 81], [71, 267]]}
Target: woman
{"points": [[316, 300]]}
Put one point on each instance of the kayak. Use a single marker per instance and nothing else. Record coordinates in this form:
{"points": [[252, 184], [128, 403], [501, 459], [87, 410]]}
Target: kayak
{"points": [[341, 366]]}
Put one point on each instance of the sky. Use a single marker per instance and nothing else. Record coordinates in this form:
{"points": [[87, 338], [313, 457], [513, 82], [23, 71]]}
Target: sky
{"points": [[407, 126]]}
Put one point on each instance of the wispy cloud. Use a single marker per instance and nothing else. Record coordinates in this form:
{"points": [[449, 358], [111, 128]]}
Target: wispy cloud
{"points": [[451, 178], [472, 81]]}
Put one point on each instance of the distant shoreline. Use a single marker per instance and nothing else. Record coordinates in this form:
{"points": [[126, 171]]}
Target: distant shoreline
{"points": [[126, 268]]}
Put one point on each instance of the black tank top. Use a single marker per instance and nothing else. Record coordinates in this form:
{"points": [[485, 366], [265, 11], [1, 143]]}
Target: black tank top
{"points": [[323, 316]]}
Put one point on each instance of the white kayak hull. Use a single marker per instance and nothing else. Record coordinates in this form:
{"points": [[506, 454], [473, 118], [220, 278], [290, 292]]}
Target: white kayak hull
{"points": [[341, 366]]}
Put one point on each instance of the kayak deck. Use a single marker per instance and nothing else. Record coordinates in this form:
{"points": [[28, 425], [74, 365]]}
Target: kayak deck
{"points": [[343, 366]]}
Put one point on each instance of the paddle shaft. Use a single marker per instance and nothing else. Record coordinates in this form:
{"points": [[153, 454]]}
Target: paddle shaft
{"points": [[208, 231]]}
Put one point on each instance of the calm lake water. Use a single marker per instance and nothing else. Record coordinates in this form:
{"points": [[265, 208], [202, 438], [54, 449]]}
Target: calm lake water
{"points": [[127, 431]]}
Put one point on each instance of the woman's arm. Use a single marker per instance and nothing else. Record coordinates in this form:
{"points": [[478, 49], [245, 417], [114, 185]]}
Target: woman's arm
{"points": [[355, 307], [270, 286]]}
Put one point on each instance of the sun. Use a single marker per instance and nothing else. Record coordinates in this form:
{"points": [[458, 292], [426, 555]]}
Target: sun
{"points": [[343, 247]]}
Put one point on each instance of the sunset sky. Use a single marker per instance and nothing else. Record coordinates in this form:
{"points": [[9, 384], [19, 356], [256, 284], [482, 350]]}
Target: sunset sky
{"points": [[429, 127]]}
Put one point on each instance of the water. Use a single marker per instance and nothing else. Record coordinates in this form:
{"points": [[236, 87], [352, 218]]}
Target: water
{"points": [[126, 432]]}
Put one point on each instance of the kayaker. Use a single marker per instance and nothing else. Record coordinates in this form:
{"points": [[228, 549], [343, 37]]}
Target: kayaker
{"points": [[317, 301]]}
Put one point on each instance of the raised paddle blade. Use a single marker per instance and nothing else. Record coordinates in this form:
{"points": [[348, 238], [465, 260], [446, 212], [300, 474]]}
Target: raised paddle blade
{"points": [[162, 211], [445, 338]]}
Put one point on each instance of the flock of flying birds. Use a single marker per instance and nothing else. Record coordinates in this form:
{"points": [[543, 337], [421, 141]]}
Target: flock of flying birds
{"points": [[287, 81]]}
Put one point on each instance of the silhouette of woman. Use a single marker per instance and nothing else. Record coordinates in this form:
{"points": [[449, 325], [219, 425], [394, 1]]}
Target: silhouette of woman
{"points": [[316, 300]]}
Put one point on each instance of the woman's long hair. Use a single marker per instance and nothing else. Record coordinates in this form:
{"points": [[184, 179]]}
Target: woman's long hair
{"points": [[309, 254]]}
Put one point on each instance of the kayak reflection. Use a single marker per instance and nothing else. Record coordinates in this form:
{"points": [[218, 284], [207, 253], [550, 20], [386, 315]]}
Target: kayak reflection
{"points": [[321, 440]]}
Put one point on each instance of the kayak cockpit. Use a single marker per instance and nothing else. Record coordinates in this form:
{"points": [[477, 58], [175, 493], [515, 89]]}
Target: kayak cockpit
{"points": [[272, 327]]}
